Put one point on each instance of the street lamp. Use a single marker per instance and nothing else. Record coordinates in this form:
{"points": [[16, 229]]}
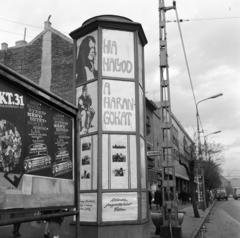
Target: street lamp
{"points": [[201, 197], [205, 141]]}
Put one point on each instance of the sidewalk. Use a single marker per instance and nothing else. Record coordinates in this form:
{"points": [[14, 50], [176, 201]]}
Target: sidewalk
{"points": [[191, 225]]}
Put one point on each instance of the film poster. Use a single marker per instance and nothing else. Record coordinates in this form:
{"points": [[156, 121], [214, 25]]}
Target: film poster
{"points": [[86, 62], [119, 206], [117, 54], [86, 101], [118, 106]]}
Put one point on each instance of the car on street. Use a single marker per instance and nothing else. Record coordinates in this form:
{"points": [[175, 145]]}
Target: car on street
{"points": [[236, 193], [221, 193]]}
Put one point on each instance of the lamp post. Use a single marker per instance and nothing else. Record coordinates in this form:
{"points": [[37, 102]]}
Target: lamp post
{"points": [[200, 176], [205, 141]]}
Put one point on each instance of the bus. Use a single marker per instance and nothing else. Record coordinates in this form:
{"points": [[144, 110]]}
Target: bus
{"points": [[236, 193]]}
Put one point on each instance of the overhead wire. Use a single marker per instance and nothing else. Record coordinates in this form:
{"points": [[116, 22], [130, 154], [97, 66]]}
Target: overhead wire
{"points": [[204, 19], [185, 57]]}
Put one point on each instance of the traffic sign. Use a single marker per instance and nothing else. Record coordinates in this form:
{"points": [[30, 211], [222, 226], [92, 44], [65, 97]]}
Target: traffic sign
{"points": [[154, 153]]}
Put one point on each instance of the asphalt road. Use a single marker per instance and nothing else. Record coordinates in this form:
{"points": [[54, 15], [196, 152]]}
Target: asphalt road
{"points": [[224, 222]]}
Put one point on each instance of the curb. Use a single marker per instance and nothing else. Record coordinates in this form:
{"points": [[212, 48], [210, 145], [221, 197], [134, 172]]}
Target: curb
{"points": [[197, 231]]}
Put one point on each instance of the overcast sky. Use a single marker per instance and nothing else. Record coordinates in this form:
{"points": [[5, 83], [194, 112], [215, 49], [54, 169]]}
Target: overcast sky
{"points": [[211, 38]]}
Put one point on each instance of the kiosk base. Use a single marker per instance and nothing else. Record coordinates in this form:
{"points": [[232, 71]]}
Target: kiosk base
{"points": [[116, 231]]}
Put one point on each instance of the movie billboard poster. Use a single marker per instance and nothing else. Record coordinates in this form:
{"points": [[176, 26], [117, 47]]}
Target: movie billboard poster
{"points": [[12, 135], [118, 106], [86, 63], [119, 206], [119, 161], [88, 207], [117, 54], [49, 141], [143, 163], [62, 166], [86, 163], [39, 151], [140, 62], [86, 101]]}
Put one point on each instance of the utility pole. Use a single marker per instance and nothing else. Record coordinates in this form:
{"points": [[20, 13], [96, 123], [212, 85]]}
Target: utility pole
{"points": [[171, 227]]}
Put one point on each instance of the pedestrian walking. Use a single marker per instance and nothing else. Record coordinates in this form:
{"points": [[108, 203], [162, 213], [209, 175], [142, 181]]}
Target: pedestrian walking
{"points": [[16, 227], [53, 224], [158, 197], [150, 199]]}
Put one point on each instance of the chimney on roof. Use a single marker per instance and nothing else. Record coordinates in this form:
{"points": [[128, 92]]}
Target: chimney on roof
{"points": [[20, 43], [4, 46], [47, 24]]}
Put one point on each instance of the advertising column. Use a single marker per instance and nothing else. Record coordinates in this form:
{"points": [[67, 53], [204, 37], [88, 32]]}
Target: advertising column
{"points": [[110, 97]]}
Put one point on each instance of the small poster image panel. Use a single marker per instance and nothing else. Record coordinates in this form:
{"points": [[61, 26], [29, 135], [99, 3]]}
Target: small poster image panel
{"points": [[117, 54], [86, 101], [86, 163], [118, 106], [105, 161], [119, 206], [119, 161], [86, 62], [88, 207]]}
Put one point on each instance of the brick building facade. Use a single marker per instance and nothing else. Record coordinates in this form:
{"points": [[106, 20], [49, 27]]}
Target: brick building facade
{"points": [[47, 60]]}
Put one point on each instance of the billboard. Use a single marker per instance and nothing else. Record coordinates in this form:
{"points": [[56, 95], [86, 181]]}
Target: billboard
{"points": [[36, 151]]}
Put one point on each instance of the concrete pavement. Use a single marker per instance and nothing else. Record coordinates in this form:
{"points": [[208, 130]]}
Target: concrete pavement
{"points": [[190, 227]]}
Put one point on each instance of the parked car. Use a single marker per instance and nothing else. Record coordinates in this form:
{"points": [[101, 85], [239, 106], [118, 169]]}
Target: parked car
{"points": [[221, 194]]}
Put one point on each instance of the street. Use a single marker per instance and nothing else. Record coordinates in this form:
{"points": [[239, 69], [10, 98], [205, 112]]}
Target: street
{"points": [[225, 220]]}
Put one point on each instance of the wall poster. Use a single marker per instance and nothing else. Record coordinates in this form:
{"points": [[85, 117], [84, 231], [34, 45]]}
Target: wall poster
{"points": [[88, 207], [119, 206], [36, 148], [86, 63], [88, 163], [86, 101], [118, 54], [118, 106]]}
